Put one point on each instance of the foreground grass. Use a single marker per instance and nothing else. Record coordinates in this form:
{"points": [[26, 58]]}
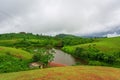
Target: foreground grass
{"points": [[66, 73]]}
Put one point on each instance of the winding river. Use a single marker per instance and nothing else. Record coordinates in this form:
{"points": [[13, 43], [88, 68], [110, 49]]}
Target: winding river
{"points": [[63, 58]]}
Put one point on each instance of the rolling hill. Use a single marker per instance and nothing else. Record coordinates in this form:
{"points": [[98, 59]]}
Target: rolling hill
{"points": [[102, 52], [12, 59], [18, 53], [108, 45]]}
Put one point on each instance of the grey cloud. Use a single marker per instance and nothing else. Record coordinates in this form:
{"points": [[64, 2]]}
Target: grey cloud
{"points": [[81, 17]]}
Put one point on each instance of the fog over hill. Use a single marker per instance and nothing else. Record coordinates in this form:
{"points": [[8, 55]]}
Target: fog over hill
{"points": [[79, 17]]}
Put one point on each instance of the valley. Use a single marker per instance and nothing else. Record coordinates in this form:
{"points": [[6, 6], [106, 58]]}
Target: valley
{"points": [[65, 55]]}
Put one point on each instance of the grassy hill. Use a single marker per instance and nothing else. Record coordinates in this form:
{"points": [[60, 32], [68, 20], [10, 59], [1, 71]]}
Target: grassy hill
{"points": [[18, 49], [12, 59], [66, 73], [108, 45], [28, 40], [15, 52], [103, 51]]}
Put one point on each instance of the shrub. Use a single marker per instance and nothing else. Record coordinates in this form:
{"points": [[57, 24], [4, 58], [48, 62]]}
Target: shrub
{"points": [[97, 63], [12, 64]]}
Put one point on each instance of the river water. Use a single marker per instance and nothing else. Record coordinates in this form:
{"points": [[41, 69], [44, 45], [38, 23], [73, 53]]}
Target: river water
{"points": [[63, 58]]}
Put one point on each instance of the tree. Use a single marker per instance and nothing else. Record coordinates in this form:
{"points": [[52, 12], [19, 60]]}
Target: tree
{"points": [[43, 56]]}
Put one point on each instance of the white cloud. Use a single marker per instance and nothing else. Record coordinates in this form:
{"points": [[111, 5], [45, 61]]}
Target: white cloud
{"points": [[113, 35], [59, 16]]}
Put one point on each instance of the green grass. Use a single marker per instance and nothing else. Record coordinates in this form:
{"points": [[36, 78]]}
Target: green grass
{"points": [[8, 42], [108, 45], [66, 73], [15, 52]]}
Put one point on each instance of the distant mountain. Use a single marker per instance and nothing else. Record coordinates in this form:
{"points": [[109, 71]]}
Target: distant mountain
{"points": [[66, 36]]}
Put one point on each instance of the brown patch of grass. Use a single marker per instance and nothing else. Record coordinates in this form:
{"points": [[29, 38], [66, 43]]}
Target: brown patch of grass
{"points": [[1, 48], [81, 73], [52, 64], [66, 73]]}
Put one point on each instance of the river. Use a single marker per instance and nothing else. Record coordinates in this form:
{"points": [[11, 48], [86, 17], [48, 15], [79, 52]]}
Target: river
{"points": [[63, 58]]}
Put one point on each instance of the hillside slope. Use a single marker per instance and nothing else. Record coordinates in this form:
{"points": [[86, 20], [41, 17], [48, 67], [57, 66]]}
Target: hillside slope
{"points": [[66, 73], [15, 52], [12, 59], [102, 52], [108, 45]]}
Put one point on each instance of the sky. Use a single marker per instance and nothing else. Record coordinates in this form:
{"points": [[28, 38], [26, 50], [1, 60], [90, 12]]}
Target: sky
{"points": [[79, 17]]}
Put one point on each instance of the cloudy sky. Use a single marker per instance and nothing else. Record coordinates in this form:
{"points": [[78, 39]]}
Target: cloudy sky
{"points": [[80, 17]]}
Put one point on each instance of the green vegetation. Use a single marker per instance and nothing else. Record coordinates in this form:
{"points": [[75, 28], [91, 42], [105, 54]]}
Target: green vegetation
{"points": [[43, 56], [15, 52], [12, 60], [69, 40], [28, 40], [66, 73], [104, 52], [18, 50]]}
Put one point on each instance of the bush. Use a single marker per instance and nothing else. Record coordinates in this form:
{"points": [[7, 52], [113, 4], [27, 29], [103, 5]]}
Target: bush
{"points": [[97, 63], [95, 57], [12, 64]]}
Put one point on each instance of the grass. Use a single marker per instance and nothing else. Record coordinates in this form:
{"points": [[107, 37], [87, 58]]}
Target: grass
{"points": [[15, 52], [8, 42], [66, 73], [108, 45]]}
